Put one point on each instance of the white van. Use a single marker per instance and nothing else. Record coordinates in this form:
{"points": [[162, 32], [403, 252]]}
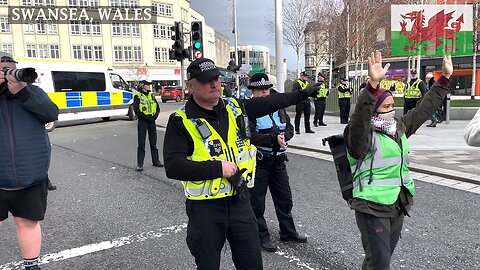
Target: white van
{"points": [[82, 90]]}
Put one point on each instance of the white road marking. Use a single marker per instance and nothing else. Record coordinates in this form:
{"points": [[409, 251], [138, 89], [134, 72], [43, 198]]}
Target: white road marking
{"points": [[294, 259], [469, 187], [87, 249]]}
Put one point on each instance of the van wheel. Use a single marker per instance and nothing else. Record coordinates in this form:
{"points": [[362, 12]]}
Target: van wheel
{"points": [[106, 118], [164, 101], [50, 126], [131, 114], [178, 99]]}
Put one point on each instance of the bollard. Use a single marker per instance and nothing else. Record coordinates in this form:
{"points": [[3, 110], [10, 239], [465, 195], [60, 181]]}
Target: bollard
{"points": [[448, 108]]}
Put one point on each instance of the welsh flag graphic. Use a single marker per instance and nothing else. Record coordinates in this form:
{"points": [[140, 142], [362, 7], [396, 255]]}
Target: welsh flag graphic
{"points": [[432, 30]]}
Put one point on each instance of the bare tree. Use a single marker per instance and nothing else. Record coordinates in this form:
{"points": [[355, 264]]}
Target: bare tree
{"points": [[296, 15]]}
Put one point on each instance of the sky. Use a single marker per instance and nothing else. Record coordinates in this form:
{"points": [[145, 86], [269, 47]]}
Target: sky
{"points": [[252, 20]]}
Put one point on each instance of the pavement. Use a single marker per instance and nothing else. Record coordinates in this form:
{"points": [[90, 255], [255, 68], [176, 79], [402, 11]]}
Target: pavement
{"points": [[439, 151]]}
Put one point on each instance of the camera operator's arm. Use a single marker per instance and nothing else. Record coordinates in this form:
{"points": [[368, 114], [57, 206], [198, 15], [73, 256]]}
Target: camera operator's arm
{"points": [[34, 99]]}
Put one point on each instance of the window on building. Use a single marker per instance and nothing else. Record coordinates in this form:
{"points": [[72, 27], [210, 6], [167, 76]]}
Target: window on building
{"points": [[3, 2], [125, 29], [134, 3], [184, 15], [163, 31], [8, 48], [85, 28], [168, 10], [28, 27], [116, 29], [83, 3], [114, 3], [50, 3], [26, 2], [124, 3], [41, 28], [88, 53], [42, 51], [5, 25], [31, 50], [98, 53], [162, 9], [38, 3], [135, 29], [94, 3], [127, 53], [137, 54], [96, 29], [311, 61], [72, 3], [156, 32], [52, 27], [77, 52], [158, 56], [74, 28], [117, 54], [55, 51]]}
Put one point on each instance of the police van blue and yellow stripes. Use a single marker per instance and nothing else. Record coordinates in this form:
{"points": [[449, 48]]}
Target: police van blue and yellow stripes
{"points": [[71, 101]]}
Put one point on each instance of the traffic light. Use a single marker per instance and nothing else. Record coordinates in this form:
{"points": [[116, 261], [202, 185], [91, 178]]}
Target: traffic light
{"points": [[232, 66], [197, 39], [177, 51]]}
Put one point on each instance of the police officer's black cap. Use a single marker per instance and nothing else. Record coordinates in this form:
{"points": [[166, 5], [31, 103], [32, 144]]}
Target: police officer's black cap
{"points": [[203, 70], [303, 73], [344, 80], [320, 74], [259, 81], [144, 82], [413, 71]]}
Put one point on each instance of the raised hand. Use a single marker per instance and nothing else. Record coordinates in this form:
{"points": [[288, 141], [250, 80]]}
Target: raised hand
{"points": [[375, 69], [447, 66]]}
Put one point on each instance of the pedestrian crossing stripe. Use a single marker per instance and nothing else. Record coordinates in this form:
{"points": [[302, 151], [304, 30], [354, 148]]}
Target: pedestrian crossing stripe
{"points": [[89, 99]]}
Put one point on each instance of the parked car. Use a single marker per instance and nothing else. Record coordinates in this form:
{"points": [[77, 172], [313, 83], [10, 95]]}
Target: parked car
{"points": [[172, 93]]}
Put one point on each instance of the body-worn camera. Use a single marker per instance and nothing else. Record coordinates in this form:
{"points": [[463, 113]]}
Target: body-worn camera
{"points": [[27, 75]]}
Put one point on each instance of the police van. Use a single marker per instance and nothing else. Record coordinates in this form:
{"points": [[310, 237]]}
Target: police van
{"points": [[82, 90]]}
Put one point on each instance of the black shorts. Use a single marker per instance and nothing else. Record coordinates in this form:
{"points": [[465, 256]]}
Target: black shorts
{"points": [[29, 203]]}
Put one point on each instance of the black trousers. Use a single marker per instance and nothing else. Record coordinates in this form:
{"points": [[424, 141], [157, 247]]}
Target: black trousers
{"points": [[344, 104], [302, 107], [379, 239], [211, 222], [409, 104], [142, 128], [272, 174], [319, 110]]}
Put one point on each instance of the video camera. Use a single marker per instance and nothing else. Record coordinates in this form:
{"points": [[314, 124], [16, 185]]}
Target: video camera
{"points": [[27, 75]]}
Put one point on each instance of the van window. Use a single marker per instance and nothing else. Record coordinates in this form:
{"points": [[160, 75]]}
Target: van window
{"points": [[65, 81], [118, 82]]}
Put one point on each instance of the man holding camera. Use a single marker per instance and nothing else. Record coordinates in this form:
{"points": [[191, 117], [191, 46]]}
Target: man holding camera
{"points": [[24, 156]]}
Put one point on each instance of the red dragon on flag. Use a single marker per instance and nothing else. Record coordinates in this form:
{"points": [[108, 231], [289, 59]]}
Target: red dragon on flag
{"points": [[438, 28]]}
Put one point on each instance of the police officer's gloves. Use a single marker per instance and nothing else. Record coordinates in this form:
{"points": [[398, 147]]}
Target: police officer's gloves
{"points": [[239, 184], [312, 89]]}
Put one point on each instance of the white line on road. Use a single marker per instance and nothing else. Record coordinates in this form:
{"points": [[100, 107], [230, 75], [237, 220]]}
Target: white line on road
{"points": [[295, 259], [87, 249]]}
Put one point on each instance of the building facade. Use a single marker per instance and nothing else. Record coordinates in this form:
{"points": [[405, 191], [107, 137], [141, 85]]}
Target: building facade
{"points": [[254, 55], [222, 47], [137, 51], [316, 49]]}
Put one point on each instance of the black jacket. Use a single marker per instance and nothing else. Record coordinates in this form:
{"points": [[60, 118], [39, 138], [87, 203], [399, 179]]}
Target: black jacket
{"points": [[141, 115], [178, 144], [297, 88]]}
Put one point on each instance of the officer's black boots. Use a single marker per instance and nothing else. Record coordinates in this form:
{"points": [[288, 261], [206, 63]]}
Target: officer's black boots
{"points": [[269, 245], [158, 164], [299, 238]]}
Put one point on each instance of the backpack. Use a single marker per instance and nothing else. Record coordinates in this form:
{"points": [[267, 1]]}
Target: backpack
{"points": [[338, 149]]}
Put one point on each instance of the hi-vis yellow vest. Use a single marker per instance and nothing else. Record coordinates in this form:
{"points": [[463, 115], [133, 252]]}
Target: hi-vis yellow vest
{"points": [[343, 95], [147, 104], [413, 91], [386, 84], [236, 150], [303, 84], [323, 91]]}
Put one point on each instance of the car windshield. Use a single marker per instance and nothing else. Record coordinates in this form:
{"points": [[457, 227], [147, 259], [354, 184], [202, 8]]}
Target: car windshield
{"points": [[168, 89]]}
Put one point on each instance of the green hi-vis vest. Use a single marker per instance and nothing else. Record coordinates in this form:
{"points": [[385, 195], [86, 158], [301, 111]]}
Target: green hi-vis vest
{"points": [[148, 104], [384, 170], [343, 95], [386, 84], [413, 91], [236, 150], [303, 85], [323, 91]]}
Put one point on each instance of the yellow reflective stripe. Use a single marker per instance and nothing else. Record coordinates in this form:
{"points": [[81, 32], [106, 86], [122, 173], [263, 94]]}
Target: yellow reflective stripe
{"points": [[59, 98], [89, 99], [116, 98]]}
